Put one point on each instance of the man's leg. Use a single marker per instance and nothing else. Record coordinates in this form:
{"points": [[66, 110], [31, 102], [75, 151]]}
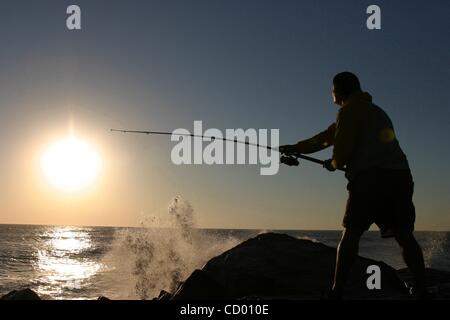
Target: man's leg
{"points": [[412, 254], [347, 252]]}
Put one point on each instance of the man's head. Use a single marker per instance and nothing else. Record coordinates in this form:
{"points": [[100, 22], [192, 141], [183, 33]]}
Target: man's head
{"points": [[344, 84]]}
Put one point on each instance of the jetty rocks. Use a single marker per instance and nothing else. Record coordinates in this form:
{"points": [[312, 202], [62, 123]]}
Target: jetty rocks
{"points": [[278, 266]]}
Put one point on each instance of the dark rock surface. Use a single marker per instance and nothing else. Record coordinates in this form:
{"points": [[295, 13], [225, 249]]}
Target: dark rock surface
{"points": [[438, 281], [25, 294], [278, 266], [201, 286]]}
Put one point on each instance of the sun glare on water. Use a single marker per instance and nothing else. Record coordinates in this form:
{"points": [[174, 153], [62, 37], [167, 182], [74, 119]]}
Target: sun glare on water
{"points": [[71, 164]]}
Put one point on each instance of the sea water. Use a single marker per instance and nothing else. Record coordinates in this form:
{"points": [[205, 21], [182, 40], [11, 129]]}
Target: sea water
{"points": [[67, 262]]}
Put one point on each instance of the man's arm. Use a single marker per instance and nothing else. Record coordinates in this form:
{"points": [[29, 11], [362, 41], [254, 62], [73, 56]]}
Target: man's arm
{"points": [[319, 142]]}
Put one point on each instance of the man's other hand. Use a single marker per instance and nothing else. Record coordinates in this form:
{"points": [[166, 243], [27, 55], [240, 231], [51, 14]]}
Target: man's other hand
{"points": [[288, 149]]}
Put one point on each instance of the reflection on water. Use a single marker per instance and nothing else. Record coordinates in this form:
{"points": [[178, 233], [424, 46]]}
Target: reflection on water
{"points": [[64, 263]]}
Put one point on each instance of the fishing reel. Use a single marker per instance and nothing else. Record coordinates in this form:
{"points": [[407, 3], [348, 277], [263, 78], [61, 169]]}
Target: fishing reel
{"points": [[289, 160]]}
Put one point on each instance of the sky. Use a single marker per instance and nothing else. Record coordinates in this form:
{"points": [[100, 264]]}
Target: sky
{"points": [[160, 65]]}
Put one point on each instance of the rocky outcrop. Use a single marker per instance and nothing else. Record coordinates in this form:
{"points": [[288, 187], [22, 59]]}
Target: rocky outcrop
{"points": [[278, 266], [201, 286], [25, 294], [438, 281]]}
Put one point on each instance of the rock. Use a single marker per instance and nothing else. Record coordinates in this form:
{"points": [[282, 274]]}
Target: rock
{"points": [[163, 295], [200, 285], [25, 294], [438, 281], [278, 266], [102, 298]]}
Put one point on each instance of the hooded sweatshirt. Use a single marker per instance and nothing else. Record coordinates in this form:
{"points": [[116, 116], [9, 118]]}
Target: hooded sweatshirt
{"points": [[363, 137]]}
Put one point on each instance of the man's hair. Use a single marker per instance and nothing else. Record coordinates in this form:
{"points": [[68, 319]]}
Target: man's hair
{"points": [[346, 83]]}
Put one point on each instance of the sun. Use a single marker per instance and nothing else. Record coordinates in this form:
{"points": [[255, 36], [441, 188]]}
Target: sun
{"points": [[71, 164]]}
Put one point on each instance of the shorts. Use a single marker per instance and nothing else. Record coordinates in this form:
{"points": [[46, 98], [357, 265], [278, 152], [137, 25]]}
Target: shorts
{"points": [[383, 197]]}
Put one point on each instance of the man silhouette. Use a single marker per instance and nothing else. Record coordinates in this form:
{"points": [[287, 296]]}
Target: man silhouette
{"points": [[380, 184]]}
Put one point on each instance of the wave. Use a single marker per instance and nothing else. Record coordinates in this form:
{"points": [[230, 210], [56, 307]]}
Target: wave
{"points": [[156, 258], [308, 238]]}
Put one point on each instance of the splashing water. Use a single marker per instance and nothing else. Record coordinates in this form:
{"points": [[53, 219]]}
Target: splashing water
{"points": [[435, 248], [161, 258]]}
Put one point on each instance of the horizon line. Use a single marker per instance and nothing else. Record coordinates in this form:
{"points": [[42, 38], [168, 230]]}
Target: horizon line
{"points": [[202, 228]]}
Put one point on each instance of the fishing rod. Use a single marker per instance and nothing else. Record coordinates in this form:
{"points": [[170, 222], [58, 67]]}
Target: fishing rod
{"points": [[297, 155]]}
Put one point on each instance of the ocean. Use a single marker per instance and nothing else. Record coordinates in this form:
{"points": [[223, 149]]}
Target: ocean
{"points": [[64, 262]]}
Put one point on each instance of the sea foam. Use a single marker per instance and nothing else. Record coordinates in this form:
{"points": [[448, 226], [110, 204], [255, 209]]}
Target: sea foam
{"points": [[158, 258]]}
